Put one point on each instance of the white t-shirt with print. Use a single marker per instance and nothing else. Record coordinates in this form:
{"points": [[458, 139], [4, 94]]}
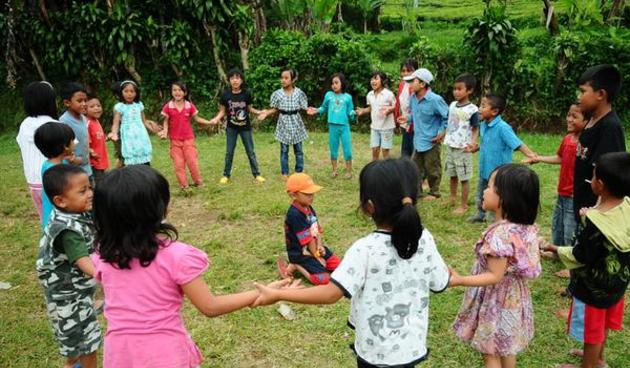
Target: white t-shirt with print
{"points": [[459, 128], [390, 297], [385, 98]]}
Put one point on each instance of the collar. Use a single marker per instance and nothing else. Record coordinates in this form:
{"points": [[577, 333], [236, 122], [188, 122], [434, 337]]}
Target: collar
{"points": [[429, 96], [306, 211], [494, 121], [381, 231], [81, 217], [171, 105]]}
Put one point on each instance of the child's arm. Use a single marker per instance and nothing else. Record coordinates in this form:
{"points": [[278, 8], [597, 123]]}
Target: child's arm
{"points": [[113, 135], [322, 294], [85, 264], [215, 305], [496, 270], [557, 160], [164, 132], [365, 110], [200, 120], [474, 145], [264, 114], [219, 116], [252, 110], [527, 151]]}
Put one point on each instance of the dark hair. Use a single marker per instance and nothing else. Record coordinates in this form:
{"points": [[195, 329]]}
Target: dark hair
{"points": [[411, 64], [382, 76], [342, 80], [119, 86], [496, 101], [603, 76], [386, 183], [69, 89], [130, 205], [55, 180], [613, 169], [519, 193], [586, 114], [52, 138], [181, 85], [292, 72], [468, 79], [92, 96], [40, 99]]}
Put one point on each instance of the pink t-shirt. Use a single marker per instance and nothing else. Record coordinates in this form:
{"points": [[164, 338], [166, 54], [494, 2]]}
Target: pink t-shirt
{"points": [[179, 127], [142, 308]]}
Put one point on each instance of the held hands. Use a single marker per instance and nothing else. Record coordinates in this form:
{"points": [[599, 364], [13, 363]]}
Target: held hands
{"points": [[472, 147], [438, 138], [454, 279], [530, 160], [269, 294], [113, 136], [359, 111], [153, 126], [545, 246], [163, 133], [312, 111]]}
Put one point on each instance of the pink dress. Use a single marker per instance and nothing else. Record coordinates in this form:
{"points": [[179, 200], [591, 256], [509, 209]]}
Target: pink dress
{"points": [[499, 319], [142, 308]]}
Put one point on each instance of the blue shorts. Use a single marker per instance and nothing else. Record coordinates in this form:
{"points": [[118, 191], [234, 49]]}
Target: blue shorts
{"points": [[382, 138]]}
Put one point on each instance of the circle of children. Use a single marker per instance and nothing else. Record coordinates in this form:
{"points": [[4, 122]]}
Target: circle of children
{"points": [[117, 235]]}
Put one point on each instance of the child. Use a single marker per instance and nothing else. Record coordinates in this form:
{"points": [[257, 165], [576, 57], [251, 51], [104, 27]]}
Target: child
{"points": [[599, 86], [56, 142], [40, 107], [236, 102], [429, 115], [98, 150], [600, 260], [381, 103], [146, 272], [64, 268], [130, 126], [290, 131], [177, 114], [564, 224], [403, 106], [339, 108], [498, 141], [462, 134], [75, 99], [387, 274], [303, 233], [496, 316]]}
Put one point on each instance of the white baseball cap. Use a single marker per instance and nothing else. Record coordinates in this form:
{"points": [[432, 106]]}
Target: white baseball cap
{"points": [[422, 74]]}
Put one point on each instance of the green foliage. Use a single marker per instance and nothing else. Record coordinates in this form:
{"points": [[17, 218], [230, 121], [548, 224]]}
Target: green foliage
{"points": [[584, 13]]}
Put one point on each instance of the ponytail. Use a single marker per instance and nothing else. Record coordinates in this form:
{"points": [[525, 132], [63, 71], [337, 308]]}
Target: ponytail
{"points": [[406, 229]]}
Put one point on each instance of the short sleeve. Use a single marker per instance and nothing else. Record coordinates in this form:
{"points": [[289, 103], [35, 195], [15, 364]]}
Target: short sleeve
{"points": [[190, 263], [302, 100], [223, 100], [140, 106], [368, 98], [509, 137], [72, 244], [497, 243], [474, 119], [439, 277], [298, 225], [193, 109], [560, 150], [275, 100], [119, 107], [350, 274], [165, 110]]}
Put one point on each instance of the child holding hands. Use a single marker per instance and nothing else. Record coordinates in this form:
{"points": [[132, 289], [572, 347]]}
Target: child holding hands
{"points": [[381, 105]]}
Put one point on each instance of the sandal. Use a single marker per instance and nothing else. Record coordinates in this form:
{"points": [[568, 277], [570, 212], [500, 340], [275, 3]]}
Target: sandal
{"points": [[282, 267]]}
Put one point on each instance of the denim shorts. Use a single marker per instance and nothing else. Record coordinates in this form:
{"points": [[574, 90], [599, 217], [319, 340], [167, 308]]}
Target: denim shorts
{"points": [[563, 224], [382, 138]]}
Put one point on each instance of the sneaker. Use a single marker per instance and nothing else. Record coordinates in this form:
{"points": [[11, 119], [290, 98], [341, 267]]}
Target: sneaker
{"points": [[260, 179], [224, 180], [477, 218]]}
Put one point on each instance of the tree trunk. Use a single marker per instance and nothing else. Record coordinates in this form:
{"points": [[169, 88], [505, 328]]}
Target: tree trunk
{"points": [[364, 23], [615, 10], [339, 12], [551, 22], [178, 72], [40, 71], [9, 56], [44, 12], [131, 69], [211, 33], [243, 43], [260, 23]]}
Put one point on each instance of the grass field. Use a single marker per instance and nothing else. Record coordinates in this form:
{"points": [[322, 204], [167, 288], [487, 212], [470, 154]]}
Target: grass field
{"points": [[240, 226]]}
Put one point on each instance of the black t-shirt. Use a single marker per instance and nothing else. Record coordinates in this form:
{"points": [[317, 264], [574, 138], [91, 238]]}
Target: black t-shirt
{"points": [[236, 108], [606, 136]]}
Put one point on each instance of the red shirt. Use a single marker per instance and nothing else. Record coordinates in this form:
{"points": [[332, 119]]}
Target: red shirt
{"points": [[179, 127], [97, 144], [567, 152]]}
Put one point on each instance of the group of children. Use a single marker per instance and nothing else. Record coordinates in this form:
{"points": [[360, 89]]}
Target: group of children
{"points": [[117, 234]]}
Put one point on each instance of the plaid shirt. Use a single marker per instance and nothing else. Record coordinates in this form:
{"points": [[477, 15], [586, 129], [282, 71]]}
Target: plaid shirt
{"points": [[290, 129]]}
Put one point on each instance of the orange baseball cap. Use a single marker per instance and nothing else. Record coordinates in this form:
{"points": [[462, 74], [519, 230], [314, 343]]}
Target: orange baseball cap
{"points": [[301, 183]]}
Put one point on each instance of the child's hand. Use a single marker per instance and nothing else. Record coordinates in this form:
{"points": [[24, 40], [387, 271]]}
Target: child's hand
{"points": [[359, 111], [163, 134], [322, 250], [472, 148], [583, 211], [312, 111], [113, 136], [266, 295], [402, 119], [544, 246], [454, 277], [384, 111], [438, 138]]}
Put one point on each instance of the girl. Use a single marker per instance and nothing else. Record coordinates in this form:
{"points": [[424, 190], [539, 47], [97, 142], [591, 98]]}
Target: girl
{"points": [[387, 274], [98, 149], [290, 131], [381, 102], [145, 273], [40, 106], [236, 102], [177, 114], [129, 121], [340, 109], [403, 106], [496, 315]]}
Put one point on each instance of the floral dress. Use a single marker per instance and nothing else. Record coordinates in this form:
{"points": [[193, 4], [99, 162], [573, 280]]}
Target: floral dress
{"points": [[499, 319], [135, 144], [290, 129]]}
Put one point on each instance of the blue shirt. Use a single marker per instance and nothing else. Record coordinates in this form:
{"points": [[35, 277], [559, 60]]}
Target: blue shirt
{"points": [[429, 117], [47, 205], [498, 142], [80, 129], [338, 107]]}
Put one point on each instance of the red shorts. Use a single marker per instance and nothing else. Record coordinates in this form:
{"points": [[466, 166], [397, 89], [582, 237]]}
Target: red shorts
{"points": [[588, 324]]}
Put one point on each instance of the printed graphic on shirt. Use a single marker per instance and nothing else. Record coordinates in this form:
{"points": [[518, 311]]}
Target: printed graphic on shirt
{"points": [[237, 112]]}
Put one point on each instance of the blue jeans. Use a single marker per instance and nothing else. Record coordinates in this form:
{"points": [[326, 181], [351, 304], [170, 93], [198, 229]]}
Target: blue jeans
{"points": [[483, 184], [248, 142], [406, 149], [563, 224], [284, 158]]}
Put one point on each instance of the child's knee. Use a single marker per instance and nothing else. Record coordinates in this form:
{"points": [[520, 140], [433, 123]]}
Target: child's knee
{"points": [[332, 262], [320, 278]]}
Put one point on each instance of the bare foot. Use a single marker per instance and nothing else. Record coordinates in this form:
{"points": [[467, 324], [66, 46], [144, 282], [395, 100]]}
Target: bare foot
{"points": [[460, 211], [452, 201], [430, 198], [563, 274], [282, 268], [579, 353], [562, 313]]}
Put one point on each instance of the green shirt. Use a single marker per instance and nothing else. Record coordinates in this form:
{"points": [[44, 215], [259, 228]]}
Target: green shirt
{"points": [[72, 244]]}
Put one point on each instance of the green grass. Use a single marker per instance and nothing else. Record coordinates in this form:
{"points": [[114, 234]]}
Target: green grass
{"points": [[240, 227]]}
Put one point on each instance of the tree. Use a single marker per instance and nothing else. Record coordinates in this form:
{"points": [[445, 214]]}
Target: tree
{"points": [[366, 7]]}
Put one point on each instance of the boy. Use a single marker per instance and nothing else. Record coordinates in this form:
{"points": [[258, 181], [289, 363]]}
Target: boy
{"points": [[599, 86], [75, 99], [600, 260], [64, 268], [498, 141], [98, 150], [429, 116], [305, 246], [462, 134], [56, 142]]}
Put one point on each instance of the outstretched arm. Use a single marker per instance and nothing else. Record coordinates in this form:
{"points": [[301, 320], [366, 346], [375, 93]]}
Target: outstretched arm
{"points": [[322, 294]]}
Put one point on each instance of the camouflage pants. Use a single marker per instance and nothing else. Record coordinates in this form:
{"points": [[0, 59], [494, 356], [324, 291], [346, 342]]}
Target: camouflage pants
{"points": [[73, 322]]}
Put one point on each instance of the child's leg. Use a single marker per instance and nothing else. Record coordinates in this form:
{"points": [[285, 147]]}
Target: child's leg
{"points": [[375, 144], [433, 166], [491, 361], [88, 360], [465, 190], [376, 152], [70, 362], [284, 159], [346, 144], [418, 158], [453, 192], [385, 153], [592, 354], [387, 141], [179, 161], [333, 146], [230, 134], [248, 142], [299, 157], [36, 196], [192, 161], [557, 226]]}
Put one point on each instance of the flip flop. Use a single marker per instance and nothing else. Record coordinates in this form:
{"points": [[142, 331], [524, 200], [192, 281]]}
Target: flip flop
{"points": [[282, 267]]}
